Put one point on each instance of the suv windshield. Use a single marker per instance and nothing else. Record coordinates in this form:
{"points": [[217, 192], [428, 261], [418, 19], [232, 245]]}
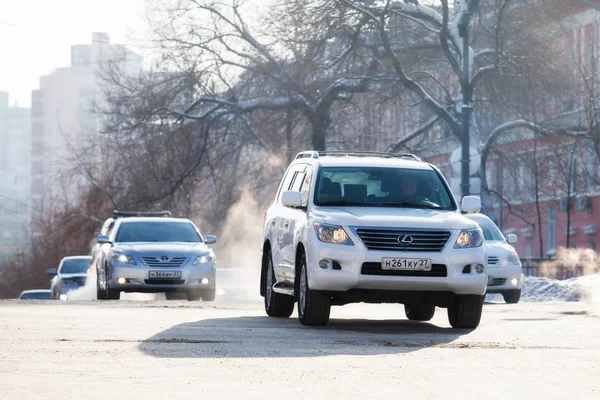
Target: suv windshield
{"points": [[382, 187], [75, 266], [155, 231]]}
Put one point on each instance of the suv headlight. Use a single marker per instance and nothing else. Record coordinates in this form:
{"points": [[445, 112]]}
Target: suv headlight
{"points": [[206, 258], [469, 238], [512, 259], [123, 258], [332, 234]]}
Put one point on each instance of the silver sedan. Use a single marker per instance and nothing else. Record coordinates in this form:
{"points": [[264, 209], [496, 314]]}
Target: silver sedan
{"points": [[151, 255]]}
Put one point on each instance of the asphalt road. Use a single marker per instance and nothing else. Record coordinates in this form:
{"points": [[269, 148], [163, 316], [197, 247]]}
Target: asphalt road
{"points": [[230, 349]]}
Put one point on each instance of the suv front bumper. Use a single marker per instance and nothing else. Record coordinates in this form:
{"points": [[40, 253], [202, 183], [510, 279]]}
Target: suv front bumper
{"points": [[352, 258]]}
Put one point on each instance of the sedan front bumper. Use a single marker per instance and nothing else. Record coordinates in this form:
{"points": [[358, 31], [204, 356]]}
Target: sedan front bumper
{"points": [[137, 278]]}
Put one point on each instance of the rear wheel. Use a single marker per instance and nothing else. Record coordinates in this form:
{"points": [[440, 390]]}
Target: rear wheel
{"points": [[465, 312], [313, 306], [419, 312], [276, 304], [512, 296]]}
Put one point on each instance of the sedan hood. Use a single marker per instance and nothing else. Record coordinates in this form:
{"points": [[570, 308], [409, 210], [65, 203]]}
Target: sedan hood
{"points": [[160, 248], [71, 276], [392, 217]]}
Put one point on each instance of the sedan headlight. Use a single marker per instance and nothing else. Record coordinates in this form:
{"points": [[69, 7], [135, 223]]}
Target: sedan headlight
{"points": [[469, 238], [512, 259], [124, 258], [332, 234], [203, 259]]}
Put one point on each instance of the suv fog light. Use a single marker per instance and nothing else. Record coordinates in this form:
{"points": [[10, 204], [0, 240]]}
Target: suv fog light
{"points": [[514, 281], [121, 281], [204, 281], [480, 268], [325, 264]]}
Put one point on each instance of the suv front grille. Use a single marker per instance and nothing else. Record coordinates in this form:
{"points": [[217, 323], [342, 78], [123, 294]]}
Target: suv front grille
{"points": [[497, 282], [172, 262], [389, 239], [492, 260], [374, 268]]}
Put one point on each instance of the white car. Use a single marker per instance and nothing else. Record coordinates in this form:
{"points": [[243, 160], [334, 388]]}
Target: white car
{"points": [[505, 272], [375, 228]]}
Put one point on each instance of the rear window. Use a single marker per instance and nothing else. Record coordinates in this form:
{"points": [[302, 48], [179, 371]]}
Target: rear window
{"points": [[75, 266], [36, 296]]}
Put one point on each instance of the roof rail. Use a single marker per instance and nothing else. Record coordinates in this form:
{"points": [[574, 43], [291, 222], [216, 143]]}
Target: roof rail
{"points": [[317, 154], [124, 214], [307, 154]]}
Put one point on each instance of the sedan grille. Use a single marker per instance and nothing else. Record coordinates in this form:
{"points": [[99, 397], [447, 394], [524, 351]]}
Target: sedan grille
{"points": [[403, 239], [374, 268], [174, 262], [492, 260]]}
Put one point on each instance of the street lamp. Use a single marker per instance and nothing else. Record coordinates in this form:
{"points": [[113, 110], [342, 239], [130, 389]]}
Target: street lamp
{"points": [[466, 110]]}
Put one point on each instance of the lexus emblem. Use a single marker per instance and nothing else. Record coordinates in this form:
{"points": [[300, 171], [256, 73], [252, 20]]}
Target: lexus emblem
{"points": [[164, 258], [405, 240]]}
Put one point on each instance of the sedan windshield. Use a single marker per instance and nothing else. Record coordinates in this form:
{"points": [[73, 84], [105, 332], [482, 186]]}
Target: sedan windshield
{"points": [[75, 266], [146, 231], [382, 187], [491, 231], [36, 296]]}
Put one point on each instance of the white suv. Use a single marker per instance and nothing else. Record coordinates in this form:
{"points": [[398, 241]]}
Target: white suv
{"points": [[374, 228]]}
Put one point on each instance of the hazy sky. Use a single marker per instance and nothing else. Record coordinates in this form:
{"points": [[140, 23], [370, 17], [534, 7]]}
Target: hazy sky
{"points": [[36, 36]]}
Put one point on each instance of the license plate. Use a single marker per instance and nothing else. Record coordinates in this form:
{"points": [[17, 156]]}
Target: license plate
{"points": [[164, 274], [406, 264]]}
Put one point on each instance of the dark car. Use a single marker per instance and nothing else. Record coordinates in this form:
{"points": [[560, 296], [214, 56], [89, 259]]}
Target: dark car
{"points": [[71, 274]]}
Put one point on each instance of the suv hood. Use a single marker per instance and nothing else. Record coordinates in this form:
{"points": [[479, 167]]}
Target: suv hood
{"points": [[160, 248], [71, 276], [392, 217]]}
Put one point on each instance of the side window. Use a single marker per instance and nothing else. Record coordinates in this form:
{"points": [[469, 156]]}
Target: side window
{"points": [[298, 181], [287, 180], [305, 188]]}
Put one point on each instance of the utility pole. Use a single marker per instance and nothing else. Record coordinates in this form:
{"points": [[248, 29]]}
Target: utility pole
{"points": [[466, 110]]}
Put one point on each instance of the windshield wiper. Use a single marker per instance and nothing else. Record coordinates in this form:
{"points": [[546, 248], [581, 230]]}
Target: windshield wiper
{"points": [[412, 205]]}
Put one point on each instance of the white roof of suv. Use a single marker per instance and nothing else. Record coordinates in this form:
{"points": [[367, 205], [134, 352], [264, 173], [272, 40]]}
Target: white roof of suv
{"points": [[363, 159]]}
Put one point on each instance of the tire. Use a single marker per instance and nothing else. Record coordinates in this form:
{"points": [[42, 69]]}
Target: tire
{"points": [[113, 294], [313, 306], [419, 312], [277, 305], [465, 313], [512, 296], [175, 295], [193, 295], [100, 293], [209, 295]]}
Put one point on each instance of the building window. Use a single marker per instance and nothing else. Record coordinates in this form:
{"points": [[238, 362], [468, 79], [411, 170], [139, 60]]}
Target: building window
{"points": [[551, 231], [528, 250], [591, 245]]}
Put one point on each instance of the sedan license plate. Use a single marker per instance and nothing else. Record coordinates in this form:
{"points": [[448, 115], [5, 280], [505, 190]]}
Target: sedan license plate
{"points": [[406, 264], [164, 275]]}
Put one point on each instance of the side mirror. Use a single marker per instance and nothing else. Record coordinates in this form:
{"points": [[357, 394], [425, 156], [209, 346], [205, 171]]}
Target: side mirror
{"points": [[96, 234], [52, 272], [471, 205], [511, 238], [291, 198], [210, 239], [103, 239]]}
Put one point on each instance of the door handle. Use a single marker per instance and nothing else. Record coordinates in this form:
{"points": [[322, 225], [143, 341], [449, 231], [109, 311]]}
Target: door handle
{"points": [[272, 223], [286, 225]]}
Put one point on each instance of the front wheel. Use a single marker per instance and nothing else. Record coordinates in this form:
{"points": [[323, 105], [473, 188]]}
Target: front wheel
{"points": [[100, 293], [193, 295], [113, 294], [276, 304], [512, 296], [465, 312], [313, 306], [419, 312], [209, 294]]}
